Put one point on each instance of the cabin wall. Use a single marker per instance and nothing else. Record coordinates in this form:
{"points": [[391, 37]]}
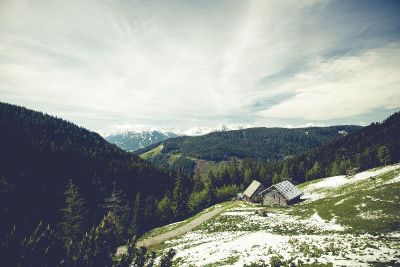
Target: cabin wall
{"points": [[274, 198], [255, 197]]}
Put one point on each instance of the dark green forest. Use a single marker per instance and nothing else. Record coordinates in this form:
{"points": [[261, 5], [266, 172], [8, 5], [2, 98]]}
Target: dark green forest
{"points": [[257, 144], [375, 145], [260, 143], [61, 184]]}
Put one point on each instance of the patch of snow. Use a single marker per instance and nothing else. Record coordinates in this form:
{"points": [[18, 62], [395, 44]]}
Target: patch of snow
{"points": [[313, 192], [237, 213], [329, 182], [316, 221], [374, 172], [394, 180], [341, 201], [207, 246]]}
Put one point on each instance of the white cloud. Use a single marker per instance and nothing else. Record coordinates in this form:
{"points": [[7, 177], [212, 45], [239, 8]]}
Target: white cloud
{"points": [[342, 87], [104, 63]]}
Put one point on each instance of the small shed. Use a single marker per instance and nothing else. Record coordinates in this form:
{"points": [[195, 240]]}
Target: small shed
{"points": [[251, 193], [281, 194]]}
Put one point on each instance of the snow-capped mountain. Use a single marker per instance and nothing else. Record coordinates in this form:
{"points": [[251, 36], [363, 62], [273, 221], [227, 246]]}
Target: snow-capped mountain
{"points": [[134, 139], [196, 131]]}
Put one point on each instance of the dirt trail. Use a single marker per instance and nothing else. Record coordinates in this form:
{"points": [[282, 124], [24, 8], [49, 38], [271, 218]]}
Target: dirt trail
{"points": [[155, 240]]}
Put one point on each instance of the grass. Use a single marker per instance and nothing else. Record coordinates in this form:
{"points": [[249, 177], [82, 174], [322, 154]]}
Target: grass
{"points": [[368, 206], [151, 153], [173, 226], [227, 261]]}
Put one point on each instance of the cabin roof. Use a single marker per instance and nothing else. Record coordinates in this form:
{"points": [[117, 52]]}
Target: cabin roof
{"points": [[249, 192], [288, 190]]}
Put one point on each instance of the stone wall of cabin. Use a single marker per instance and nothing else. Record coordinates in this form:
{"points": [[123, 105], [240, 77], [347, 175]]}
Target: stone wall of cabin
{"points": [[274, 198]]}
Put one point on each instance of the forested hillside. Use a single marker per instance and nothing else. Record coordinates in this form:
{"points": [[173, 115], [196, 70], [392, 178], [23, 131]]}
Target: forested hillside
{"points": [[375, 145], [58, 181], [253, 143]]}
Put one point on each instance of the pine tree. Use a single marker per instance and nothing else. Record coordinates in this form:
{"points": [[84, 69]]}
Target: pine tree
{"points": [[116, 204], [384, 155], [335, 168], [198, 184], [248, 176], [179, 200], [165, 210], [234, 172], [285, 170], [73, 219], [314, 172], [265, 180], [149, 212], [276, 179], [105, 241], [137, 221]]}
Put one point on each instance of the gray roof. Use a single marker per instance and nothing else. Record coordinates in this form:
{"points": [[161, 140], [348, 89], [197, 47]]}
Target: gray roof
{"points": [[249, 192], [287, 189]]}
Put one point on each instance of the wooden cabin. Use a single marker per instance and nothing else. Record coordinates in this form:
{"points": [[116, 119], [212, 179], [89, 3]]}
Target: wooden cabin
{"points": [[251, 193], [281, 194]]}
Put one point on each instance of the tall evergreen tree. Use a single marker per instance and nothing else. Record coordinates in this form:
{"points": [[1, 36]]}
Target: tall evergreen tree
{"points": [[165, 210], [137, 222], [276, 179], [384, 155], [73, 218], [116, 204], [248, 176], [180, 199], [285, 170]]}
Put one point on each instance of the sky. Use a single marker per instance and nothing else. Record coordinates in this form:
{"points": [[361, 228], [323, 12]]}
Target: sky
{"points": [[116, 64]]}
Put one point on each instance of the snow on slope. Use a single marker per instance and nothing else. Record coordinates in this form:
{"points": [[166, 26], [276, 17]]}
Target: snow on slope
{"points": [[315, 190], [242, 235]]}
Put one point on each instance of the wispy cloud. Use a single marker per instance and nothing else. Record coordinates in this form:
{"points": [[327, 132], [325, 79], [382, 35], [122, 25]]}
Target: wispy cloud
{"points": [[342, 87], [103, 63]]}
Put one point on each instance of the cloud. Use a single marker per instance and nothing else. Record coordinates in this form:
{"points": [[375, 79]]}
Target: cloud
{"points": [[104, 63], [342, 87]]}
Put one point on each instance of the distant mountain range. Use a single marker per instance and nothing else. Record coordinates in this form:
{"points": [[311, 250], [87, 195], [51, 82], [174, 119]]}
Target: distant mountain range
{"points": [[134, 139]]}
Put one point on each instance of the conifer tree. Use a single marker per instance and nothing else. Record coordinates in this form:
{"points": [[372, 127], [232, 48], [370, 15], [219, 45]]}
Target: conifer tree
{"points": [[248, 176], [276, 179], [165, 210], [116, 204], [149, 212], [234, 172], [285, 170], [137, 221], [180, 199], [105, 242], [384, 155], [73, 219], [198, 184]]}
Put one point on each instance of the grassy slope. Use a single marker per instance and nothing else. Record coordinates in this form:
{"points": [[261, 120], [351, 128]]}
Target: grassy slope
{"points": [[152, 153], [369, 206], [176, 225]]}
